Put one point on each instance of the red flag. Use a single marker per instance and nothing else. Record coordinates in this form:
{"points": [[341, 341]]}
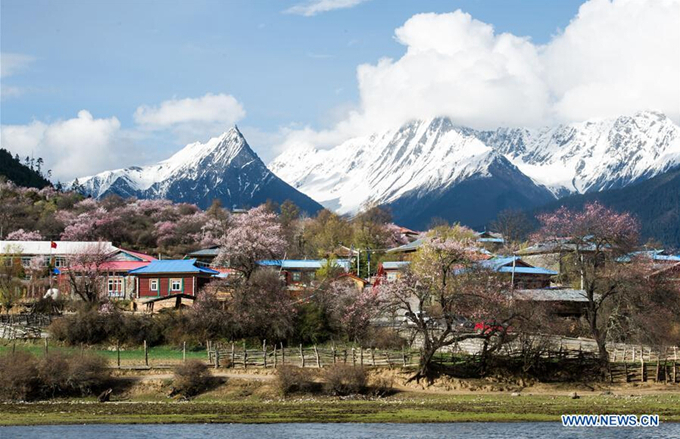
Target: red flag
{"points": [[53, 244]]}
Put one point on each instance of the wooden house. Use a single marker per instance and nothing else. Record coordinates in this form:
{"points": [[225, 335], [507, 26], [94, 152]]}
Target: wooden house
{"points": [[171, 279], [300, 273]]}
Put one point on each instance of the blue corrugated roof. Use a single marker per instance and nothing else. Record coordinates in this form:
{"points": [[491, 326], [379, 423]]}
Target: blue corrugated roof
{"points": [[173, 266], [504, 265], [302, 263]]}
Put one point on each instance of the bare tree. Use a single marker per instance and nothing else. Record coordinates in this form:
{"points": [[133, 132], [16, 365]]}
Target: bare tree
{"points": [[86, 273]]}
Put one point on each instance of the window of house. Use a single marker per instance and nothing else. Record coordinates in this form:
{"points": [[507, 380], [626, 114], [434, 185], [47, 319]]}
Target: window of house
{"points": [[391, 276], [153, 284], [296, 276], [176, 285], [115, 286], [59, 262]]}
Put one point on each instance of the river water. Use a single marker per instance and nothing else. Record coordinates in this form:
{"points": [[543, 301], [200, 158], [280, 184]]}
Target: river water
{"points": [[470, 430]]}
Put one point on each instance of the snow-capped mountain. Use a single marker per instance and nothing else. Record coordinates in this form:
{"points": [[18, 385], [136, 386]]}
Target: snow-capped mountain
{"points": [[422, 168], [223, 168], [593, 155], [418, 169]]}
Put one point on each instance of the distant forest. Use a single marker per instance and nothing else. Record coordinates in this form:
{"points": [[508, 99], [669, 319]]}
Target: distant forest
{"points": [[30, 173], [655, 203]]}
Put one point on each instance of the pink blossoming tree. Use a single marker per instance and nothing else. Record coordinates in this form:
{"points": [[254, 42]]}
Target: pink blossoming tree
{"points": [[595, 238], [255, 235]]}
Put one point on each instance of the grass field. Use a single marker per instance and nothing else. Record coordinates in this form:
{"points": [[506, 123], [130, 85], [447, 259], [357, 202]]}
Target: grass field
{"points": [[158, 355], [410, 408]]}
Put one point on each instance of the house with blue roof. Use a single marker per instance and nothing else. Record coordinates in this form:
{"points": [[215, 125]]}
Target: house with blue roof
{"points": [[301, 272], [522, 274], [172, 277]]}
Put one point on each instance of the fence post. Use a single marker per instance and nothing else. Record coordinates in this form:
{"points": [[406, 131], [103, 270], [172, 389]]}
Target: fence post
{"points": [[658, 366], [245, 356], [316, 354], [642, 364], [264, 352], [118, 352], [675, 361], [184, 351], [334, 354], [403, 356], [217, 358], [373, 357], [207, 349], [276, 358], [283, 355], [354, 357], [302, 356], [361, 355], [146, 354], [47, 348]]}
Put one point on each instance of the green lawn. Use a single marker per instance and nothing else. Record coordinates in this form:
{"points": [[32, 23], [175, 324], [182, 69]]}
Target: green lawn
{"points": [[405, 408], [158, 355]]}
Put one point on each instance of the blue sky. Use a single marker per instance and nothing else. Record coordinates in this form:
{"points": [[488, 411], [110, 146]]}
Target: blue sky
{"points": [[285, 69]]}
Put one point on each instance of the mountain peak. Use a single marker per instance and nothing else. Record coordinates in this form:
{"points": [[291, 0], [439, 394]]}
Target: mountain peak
{"points": [[224, 168]]}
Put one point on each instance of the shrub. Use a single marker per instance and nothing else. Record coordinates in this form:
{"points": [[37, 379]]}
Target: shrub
{"points": [[53, 373], [291, 379], [87, 373], [191, 378], [18, 376], [342, 380]]}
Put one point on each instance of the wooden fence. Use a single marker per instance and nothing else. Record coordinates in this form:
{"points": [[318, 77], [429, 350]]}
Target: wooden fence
{"points": [[627, 363], [232, 355]]}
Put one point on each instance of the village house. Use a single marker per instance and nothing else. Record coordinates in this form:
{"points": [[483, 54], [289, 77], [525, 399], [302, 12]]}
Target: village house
{"points": [[522, 274], [205, 255], [562, 302], [59, 256], [170, 283], [300, 273]]}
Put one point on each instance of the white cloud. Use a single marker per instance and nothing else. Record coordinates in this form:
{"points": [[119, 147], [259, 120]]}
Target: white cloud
{"points": [[192, 118], [12, 63], [314, 7], [71, 148], [614, 58], [210, 108]]}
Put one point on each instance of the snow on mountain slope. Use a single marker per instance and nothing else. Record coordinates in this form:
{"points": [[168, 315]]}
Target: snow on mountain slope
{"points": [[421, 156], [429, 156], [593, 155], [223, 168]]}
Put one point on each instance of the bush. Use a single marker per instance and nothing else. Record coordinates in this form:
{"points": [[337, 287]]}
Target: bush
{"points": [[343, 380], [87, 373], [291, 379], [23, 376], [53, 373], [18, 376], [191, 378]]}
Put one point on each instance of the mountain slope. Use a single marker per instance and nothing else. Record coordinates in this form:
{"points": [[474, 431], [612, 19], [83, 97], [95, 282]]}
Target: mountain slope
{"points": [[223, 168], [20, 174], [593, 155], [417, 170], [435, 168], [655, 202]]}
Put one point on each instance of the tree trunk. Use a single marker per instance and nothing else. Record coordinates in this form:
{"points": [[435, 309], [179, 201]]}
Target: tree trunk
{"points": [[424, 364]]}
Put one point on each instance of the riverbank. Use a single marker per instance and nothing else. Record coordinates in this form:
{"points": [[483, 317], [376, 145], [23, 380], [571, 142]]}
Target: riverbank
{"points": [[250, 398]]}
